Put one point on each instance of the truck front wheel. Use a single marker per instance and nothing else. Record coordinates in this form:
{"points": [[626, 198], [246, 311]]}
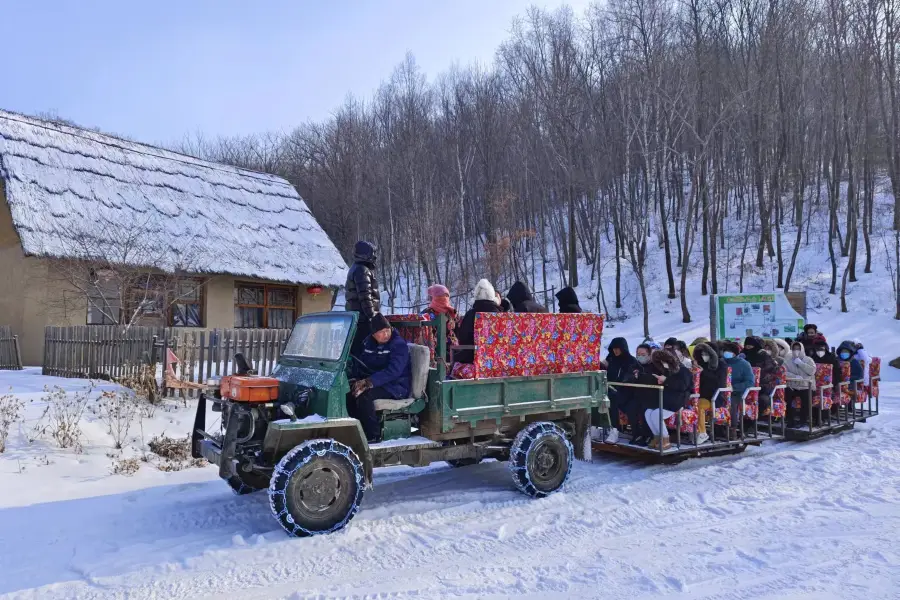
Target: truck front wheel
{"points": [[316, 488], [540, 459]]}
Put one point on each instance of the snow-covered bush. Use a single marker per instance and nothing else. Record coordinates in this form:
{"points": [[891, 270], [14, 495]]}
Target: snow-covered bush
{"points": [[10, 411], [61, 419], [174, 452], [125, 466], [118, 409]]}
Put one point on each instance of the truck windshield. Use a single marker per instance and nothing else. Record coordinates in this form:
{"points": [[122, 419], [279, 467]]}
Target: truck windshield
{"points": [[319, 336]]}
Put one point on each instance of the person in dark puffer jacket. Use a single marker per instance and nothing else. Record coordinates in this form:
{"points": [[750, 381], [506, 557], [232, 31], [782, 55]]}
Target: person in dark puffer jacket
{"points": [[386, 358], [713, 377], [485, 301], [568, 301], [522, 301], [620, 366], [361, 293], [754, 352]]}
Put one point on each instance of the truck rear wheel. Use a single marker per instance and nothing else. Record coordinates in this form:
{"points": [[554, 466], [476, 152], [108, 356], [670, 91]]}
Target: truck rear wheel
{"points": [[316, 488], [540, 459]]}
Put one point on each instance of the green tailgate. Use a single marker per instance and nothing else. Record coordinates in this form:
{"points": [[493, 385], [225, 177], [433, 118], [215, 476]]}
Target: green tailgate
{"points": [[479, 399]]}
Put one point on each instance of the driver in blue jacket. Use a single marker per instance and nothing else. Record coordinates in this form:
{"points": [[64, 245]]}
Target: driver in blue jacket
{"points": [[385, 356]]}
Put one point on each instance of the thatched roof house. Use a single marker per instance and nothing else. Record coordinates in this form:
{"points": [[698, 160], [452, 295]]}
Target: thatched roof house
{"points": [[68, 193]]}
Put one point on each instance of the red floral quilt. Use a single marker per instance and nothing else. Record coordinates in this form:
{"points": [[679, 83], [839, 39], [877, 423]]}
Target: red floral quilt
{"points": [[511, 345]]}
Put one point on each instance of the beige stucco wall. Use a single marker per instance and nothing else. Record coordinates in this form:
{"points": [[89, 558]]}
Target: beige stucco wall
{"points": [[29, 299]]}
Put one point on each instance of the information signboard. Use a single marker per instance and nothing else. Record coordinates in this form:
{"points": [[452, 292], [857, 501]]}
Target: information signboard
{"points": [[736, 316]]}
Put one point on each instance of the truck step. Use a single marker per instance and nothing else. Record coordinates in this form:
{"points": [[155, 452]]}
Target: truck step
{"points": [[405, 443]]}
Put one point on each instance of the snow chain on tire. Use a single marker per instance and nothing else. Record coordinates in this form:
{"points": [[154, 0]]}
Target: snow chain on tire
{"points": [[529, 438], [295, 460]]}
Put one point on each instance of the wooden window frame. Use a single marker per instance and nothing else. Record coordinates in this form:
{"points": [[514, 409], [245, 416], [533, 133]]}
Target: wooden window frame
{"points": [[265, 306], [201, 287]]}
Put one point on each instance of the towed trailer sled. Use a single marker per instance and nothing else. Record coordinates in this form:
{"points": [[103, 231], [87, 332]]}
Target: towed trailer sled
{"points": [[291, 434]]}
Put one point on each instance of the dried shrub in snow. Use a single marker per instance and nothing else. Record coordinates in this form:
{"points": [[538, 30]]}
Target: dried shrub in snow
{"points": [[144, 384], [10, 411], [61, 419], [171, 448], [118, 409], [175, 452], [125, 466]]}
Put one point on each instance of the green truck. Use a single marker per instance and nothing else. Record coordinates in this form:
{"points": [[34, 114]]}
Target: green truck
{"points": [[291, 433]]}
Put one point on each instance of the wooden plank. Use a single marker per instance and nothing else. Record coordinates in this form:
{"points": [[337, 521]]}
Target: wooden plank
{"points": [[203, 354], [209, 355]]}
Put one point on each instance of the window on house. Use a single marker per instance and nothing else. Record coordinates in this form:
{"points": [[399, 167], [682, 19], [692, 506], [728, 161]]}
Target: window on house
{"points": [[103, 303], [264, 306], [187, 305]]}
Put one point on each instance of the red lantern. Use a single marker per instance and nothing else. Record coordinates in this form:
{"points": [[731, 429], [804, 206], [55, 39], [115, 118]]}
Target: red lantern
{"points": [[314, 290]]}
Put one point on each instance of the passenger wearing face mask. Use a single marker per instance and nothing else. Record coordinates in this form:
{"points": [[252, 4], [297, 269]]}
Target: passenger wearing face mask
{"points": [[846, 352], [684, 355], [821, 355], [639, 400], [620, 367], [713, 377], [808, 337], [801, 375], [756, 355], [741, 377]]}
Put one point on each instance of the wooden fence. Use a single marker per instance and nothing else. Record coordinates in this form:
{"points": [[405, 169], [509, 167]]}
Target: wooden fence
{"points": [[10, 354], [98, 352], [112, 352], [206, 354]]}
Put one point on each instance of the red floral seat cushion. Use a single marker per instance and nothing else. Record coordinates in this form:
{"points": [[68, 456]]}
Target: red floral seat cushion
{"points": [[751, 405], [514, 345], [844, 398], [462, 371], [423, 336], [689, 414], [824, 382], [779, 406], [874, 373]]}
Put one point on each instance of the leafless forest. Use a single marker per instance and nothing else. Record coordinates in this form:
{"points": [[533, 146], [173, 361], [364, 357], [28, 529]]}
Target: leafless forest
{"points": [[644, 123]]}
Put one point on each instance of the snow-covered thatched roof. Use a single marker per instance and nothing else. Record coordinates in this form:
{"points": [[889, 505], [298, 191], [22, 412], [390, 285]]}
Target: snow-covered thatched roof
{"points": [[67, 186]]}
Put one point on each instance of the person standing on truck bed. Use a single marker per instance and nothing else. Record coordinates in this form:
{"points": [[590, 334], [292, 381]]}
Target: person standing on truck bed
{"points": [[522, 300], [362, 294], [568, 301], [386, 357], [485, 301]]}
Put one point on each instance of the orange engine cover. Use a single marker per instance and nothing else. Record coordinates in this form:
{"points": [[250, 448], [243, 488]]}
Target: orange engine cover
{"points": [[249, 389]]}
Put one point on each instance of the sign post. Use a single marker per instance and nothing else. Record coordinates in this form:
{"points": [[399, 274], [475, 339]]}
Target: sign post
{"points": [[768, 315]]}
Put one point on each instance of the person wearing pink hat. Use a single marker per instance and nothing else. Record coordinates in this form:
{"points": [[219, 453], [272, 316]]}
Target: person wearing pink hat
{"points": [[439, 304]]}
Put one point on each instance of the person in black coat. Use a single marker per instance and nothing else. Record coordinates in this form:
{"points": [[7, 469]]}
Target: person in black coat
{"points": [[620, 368], [754, 352], [361, 293], [642, 399], [822, 355], [713, 377], [485, 302], [568, 302], [676, 382], [522, 301]]}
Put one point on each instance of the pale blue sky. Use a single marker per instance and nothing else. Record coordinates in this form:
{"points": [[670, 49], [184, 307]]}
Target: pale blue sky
{"points": [[156, 70]]}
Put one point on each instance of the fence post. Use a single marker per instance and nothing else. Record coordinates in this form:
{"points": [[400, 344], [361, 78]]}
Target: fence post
{"points": [[18, 350]]}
